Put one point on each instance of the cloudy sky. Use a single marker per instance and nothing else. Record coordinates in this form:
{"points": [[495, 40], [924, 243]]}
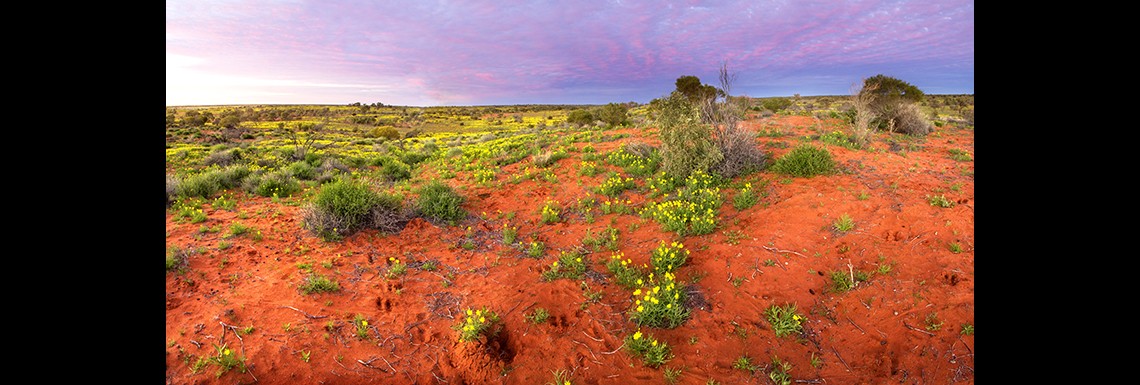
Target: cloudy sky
{"points": [[484, 52]]}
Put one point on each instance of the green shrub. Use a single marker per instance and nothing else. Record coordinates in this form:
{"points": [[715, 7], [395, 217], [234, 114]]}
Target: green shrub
{"points": [[302, 170], [805, 161], [279, 183], [776, 104], [394, 169], [350, 201], [685, 142], [440, 202], [387, 132]]}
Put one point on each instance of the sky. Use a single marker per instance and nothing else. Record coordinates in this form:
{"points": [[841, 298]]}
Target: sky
{"points": [[507, 52]]}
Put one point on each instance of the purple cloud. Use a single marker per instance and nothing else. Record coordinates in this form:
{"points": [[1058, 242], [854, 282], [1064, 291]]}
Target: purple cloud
{"points": [[589, 52]]}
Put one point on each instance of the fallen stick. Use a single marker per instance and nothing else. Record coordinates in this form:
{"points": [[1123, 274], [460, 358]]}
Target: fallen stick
{"points": [[840, 358], [615, 350], [306, 314], [917, 329], [595, 339], [775, 250]]}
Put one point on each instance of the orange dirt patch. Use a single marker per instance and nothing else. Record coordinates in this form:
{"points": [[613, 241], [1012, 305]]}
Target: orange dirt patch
{"points": [[918, 258]]}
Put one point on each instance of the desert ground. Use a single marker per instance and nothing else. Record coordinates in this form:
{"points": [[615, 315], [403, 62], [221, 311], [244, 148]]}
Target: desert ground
{"points": [[906, 318]]}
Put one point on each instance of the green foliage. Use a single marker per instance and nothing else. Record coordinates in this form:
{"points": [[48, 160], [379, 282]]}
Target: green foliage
{"points": [[843, 224], [805, 161], [510, 233], [691, 88], [317, 283], [686, 146], [939, 201], [536, 249], [967, 329], [351, 202], [361, 326], [652, 352], [387, 132], [625, 274], [745, 363], [692, 210], [614, 185], [659, 303], [582, 117], [539, 315], [745, 198], [225, 360], [613, 114], [475, 324], [550, 212], [775, 104], [569, 265], [440, 202], [784, 319], [667, 258], [778, 371], [280, 183]]}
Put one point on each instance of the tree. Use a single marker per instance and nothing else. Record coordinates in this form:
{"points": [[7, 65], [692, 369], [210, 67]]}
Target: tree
{"points": [[888, 95], [691, 87], [581, 117]]}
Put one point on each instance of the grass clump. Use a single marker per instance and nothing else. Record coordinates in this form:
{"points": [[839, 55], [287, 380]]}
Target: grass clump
{"points": [[440, 202], [343, 207], [805, 161], [317, 283]]}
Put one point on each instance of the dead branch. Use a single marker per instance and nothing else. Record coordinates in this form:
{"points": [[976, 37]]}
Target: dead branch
{"points": [[917, 329], [615, 350], [306, 314], [856, 325], [595, 339], [775, 250], [840, 358]]}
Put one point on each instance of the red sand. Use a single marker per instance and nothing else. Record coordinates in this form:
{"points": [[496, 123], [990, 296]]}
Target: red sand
{"points": [[875, 333]]}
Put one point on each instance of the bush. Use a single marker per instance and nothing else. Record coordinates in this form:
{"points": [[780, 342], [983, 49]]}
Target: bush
{"points": [[440, 202], [352, 202], [685, 142], [580, 117], [805, 161], [204, 184], [395, 170], [387, 132], [280, 183], [302, 170], [775, 104], [910, 120], [613, 114], [888, 99], [223, 157]]}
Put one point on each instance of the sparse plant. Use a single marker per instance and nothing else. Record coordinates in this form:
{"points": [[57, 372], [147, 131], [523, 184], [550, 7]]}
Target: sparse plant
{"points": [[625, 274], [560, 378], [745, 198], [614, 185], [536, 249], [550, 212], [844, 223], [933, 323], [667, 258], [569, 265], [539, 315], [475, 324], [225, 360], [396, 268], [955, 247], [778, 371], [361, 326], [317, 283], [939, 201], [967, 329], [652, 352], [672, 375], [784, 319], [660, 303], [510, 233], [745, 363]]}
